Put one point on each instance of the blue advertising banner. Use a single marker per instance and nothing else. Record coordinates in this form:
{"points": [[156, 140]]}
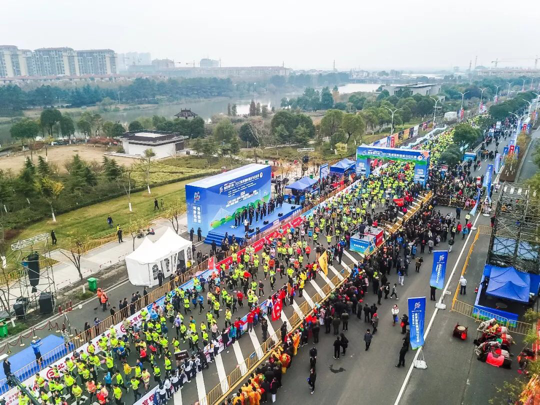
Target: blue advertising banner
{"points": [[417, 320], [438, 272], [505, 151], [213, 201], [477, 202], [516, 150], [420, 158], [488, 179], [324, 171], [497, 165]]}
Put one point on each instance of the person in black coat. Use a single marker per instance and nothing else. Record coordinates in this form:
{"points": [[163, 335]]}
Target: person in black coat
{"points": [[337, 347], [315, 330], [402, 354], [344, 343], [311, 380], [367, 313]]}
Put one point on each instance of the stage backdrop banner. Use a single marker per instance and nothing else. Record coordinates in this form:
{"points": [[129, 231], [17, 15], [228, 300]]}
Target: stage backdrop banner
{"points": [[420, 158], [213, 201], [438, 272], [417, 321], [324, 171]]}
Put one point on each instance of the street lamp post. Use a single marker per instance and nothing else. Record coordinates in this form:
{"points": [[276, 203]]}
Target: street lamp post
{"points": [[435, 109], [392, 112], [497, 94], [462, 98], [509, 87], [481, 98]]}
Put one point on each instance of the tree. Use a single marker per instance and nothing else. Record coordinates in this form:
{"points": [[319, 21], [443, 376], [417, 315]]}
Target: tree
{"points": [[147, 159], [224, 131], [331, 122], [49, 118], [327, 101], [117, 130], [284, 102], [136, 225], [67, 127], [135, 126], [43, 168], [248, 134], [77, 244], [233, 110], [353, 125], [465, 134], [252, 109], [80, 175], [258, 109], [197, 127], [174, 214], [301, 135], [126, 183], [111, 169], [85, 127], [451, 156], [50, 191], [25, 129], [264, 111], [229, 110]]}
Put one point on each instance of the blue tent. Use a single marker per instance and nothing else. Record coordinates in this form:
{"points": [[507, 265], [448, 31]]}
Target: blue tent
{"points": [[302, 185], [509, 283], [342, 166]]}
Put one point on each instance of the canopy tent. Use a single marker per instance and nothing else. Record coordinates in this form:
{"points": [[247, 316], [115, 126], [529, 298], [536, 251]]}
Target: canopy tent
{"points": [[168, 253], [509, 283], [302, 185], [343, 166]]}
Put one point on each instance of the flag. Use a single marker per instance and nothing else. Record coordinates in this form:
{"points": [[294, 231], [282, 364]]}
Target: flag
{"points": [[462, 113], [276, 310], [400, 202], [417, 320], [477, 201], [438, 272], [323, 262]]}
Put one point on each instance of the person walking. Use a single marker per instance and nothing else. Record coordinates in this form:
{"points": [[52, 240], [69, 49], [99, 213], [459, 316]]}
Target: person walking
{"points": [[375, 322], [462, 286], [119, 234], [432, 293], [345, 320], [395, 313], [367, 313], [344, 343], [404, 323], [337, 347], [402, 353], [53, 237], [367, 338], [394, 292], [312, 378]]}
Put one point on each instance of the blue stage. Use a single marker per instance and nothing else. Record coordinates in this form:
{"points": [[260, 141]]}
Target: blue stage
{"points": [[218, 233], [52, 349]]}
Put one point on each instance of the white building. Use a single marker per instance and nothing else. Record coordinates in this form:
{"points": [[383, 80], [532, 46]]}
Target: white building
{"points": [[417, 88], [162, 144]]}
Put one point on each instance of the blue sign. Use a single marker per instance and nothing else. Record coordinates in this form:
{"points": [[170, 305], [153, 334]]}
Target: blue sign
{"points": [[497, 166], [516, 150], [505, 151], [420, 159], [417, 321], [438, 272], [214, 201], [324, 171], [469, 156], [488, 180], [477, 202]]}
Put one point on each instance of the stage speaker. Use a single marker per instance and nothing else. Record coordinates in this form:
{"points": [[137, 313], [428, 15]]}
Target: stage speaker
{"points": [[251, 229], [265, 222], [32, 266], [46, 303], [20, 306], [293, 207], [280, 214]]}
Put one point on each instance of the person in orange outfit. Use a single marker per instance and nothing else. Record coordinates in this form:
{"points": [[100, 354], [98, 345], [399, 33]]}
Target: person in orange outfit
{"points": [[296, 342], [285, 361]]}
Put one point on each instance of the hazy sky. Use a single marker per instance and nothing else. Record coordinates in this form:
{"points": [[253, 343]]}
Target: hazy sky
{"points": [[370, 34]]}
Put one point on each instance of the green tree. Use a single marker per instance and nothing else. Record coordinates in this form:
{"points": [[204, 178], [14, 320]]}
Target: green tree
{"points": [[43, 167], [85, 127], [234, 110], [252, 109], [248, 134], [111, 169], [49, 118], [331, 122], [80, 175], [67, 127], [26, 129], [284, 102], [224, 132], [147, 159], [117, 130], [353, 125], [264, 111], [107, 128], [465, 134], [302, 135], [451, 156], [50, 190], [197, 127], [135, 126], [327, 101], [258, 109]]}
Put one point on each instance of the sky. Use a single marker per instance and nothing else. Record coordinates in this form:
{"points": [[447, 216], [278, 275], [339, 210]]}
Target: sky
{"points": [[415, 35]]}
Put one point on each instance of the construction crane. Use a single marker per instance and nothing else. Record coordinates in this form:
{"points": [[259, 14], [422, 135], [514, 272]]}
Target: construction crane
{"points": [[496, 61]]}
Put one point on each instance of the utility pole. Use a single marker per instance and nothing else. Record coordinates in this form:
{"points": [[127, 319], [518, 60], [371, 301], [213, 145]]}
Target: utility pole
{"points": [[435, 109], [462, 99], [481, 98]]}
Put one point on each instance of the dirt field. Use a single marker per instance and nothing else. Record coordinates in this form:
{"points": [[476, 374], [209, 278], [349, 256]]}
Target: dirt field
{"points": [[59, 155]]}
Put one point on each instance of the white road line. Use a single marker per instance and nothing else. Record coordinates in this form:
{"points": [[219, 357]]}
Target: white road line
{"points": [[240, 358], [222, 375], [408, 376], [201, 389], [308, 299], [286, 320], [346, 267], [350, 257], [271, 330], [256, 344], [177, 398], [316, 286], [327, 280], [337, 273], [297, 310]]}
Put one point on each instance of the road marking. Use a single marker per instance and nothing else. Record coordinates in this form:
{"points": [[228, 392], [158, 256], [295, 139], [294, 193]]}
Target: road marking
{"points": [[285, 320], [240, 358], [271, 330], [177, 399], [350, 257], [337, 273], [222, 375], [297, 309], [346, 267], [327, 280], [309, 300], [316, 286], [201, 389], [408, 376], [256, 343]]}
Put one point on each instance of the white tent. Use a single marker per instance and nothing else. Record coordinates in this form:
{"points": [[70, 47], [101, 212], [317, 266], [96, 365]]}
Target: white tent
{"points": [[166, 254]]}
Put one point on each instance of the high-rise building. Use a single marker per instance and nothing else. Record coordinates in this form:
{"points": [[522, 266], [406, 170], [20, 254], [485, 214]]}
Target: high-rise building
{"points": [[56, 62], [125, 60], [10, 61], [209, 63], [97, 62]]}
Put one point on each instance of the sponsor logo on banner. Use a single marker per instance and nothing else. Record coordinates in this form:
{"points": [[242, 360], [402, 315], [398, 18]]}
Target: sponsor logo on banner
{"points": [[417, 320], [511, 150], [497, 166], [438, 272], [505, 151]]}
